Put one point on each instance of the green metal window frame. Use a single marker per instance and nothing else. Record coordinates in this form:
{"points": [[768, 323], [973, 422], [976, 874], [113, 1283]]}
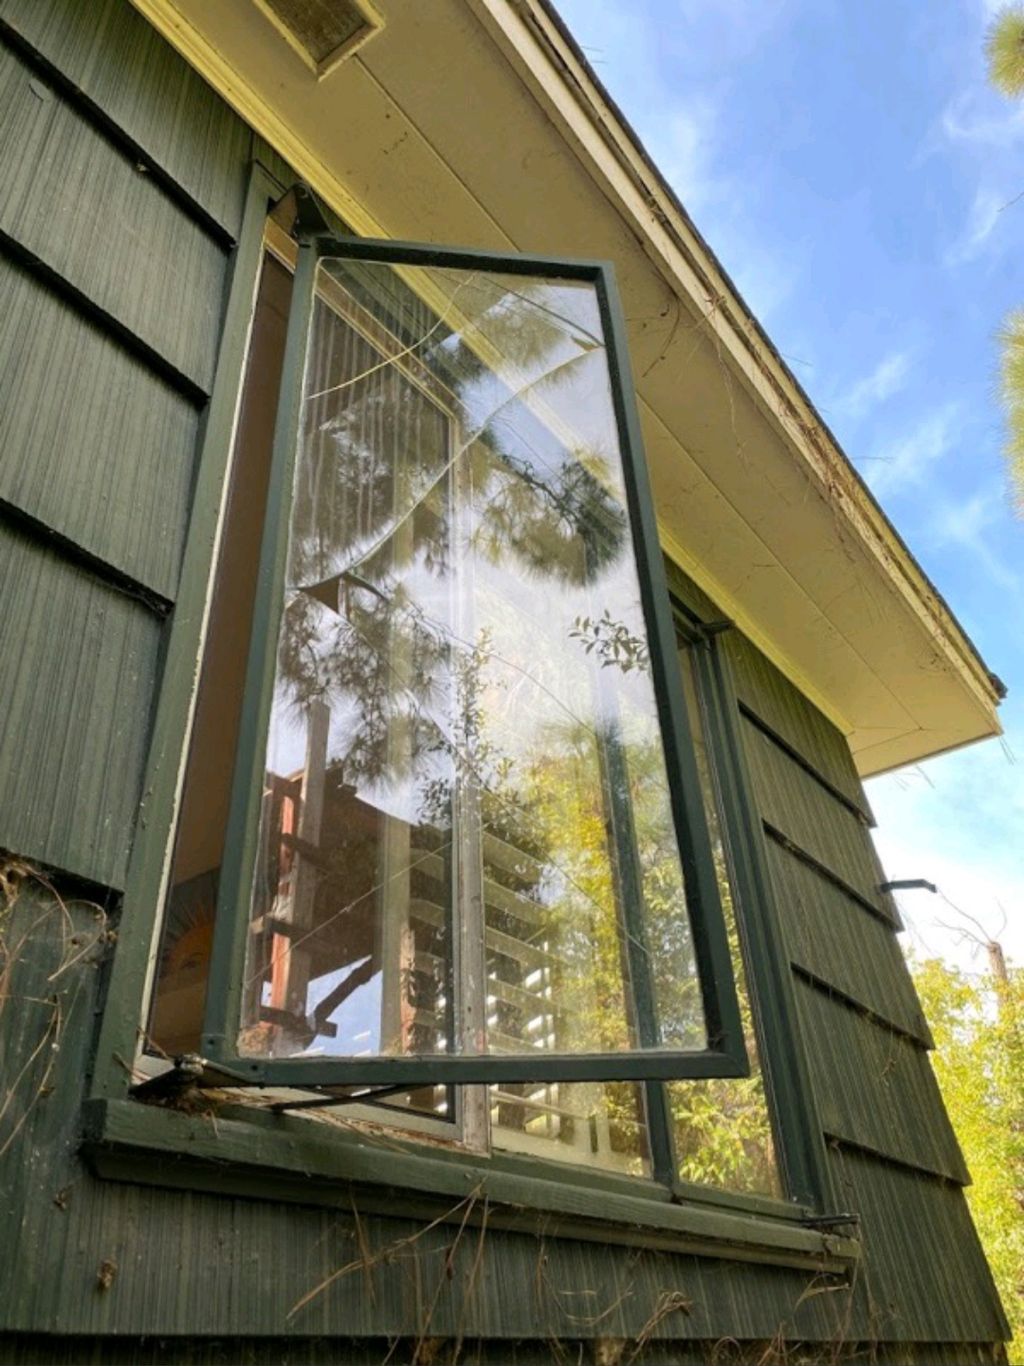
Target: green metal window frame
{"points": [[123, 1134], [725, 1054], [799, 1147]]}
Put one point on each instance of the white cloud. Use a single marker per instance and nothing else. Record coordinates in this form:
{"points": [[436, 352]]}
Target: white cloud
{"points": [[888, 377], [967, 524], [902, 463], [985, 133], [981, 223], [686, 151], [975, 117], [684, 154]]}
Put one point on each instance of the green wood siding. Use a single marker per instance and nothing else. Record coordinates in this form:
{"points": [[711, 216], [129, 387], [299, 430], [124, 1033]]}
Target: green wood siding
{"points": [[78, 669], [925, 1276], [792, 801], [832, 938], [132, 85], [887, 1078], [112, 292], [302, 1351], [96, 446], [896, 1158], [194, 1264], [783, 710], [96, 257], [75, 201]]}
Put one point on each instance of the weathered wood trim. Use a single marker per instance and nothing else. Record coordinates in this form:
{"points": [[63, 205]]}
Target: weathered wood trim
{"points": [[795, 1120], [294, 1162]]}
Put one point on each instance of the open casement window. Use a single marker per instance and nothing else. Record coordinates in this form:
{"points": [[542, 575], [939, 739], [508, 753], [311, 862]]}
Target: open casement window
{"points": [[465, 839]]}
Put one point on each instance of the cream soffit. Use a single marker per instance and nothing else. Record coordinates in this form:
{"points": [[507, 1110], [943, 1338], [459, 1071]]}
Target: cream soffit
{"points": [[428, 132]]}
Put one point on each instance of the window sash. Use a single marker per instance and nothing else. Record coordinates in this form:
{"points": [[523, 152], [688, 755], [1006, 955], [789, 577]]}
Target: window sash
{"points": [[725, 1055]]}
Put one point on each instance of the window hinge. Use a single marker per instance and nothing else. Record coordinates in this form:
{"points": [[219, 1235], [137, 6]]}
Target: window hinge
{"points": [[190, 1072], [830, 1223], [187, 1071], [298, 213], [708, 630]]}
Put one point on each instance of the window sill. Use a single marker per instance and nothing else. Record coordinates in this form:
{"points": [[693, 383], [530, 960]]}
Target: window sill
{"points": [[292, 1160]]}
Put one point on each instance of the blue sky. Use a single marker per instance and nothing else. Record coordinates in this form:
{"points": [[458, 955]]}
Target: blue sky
{"points": [[854, 173]]}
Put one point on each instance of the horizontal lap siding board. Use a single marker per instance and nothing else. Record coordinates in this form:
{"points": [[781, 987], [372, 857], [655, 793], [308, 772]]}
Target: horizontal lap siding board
{"points": [[78, 669], [91, 442], [804, 811], [187, 1265], [925, 1274], [70, 198], [896, 1160], [783, 709], [830, 936], [126, 70], [875, 1087]]}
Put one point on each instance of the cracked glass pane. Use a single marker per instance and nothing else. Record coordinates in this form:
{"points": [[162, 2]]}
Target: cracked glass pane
{"points": [[466, 841]]}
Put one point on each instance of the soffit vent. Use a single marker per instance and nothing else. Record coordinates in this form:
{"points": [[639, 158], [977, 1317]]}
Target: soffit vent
{"points": [[323, 32]]}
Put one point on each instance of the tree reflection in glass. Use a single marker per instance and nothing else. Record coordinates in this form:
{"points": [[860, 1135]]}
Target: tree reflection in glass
{"points": [[467, 842]]}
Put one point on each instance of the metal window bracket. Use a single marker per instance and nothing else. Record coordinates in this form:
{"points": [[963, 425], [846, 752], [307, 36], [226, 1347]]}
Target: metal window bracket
{"points": [[366, 1094], [707, 630], [298, 213], [188, 1071], [192, 1072]]}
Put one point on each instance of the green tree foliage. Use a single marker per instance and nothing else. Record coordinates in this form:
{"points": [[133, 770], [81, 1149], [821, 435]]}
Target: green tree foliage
{"points": [[1004, 49], [1012, 386], [978, 1024], [721, 1129]]}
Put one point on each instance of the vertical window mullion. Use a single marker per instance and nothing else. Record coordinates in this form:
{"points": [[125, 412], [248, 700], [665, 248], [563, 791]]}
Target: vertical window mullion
{"points": [[791, 1108]]}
